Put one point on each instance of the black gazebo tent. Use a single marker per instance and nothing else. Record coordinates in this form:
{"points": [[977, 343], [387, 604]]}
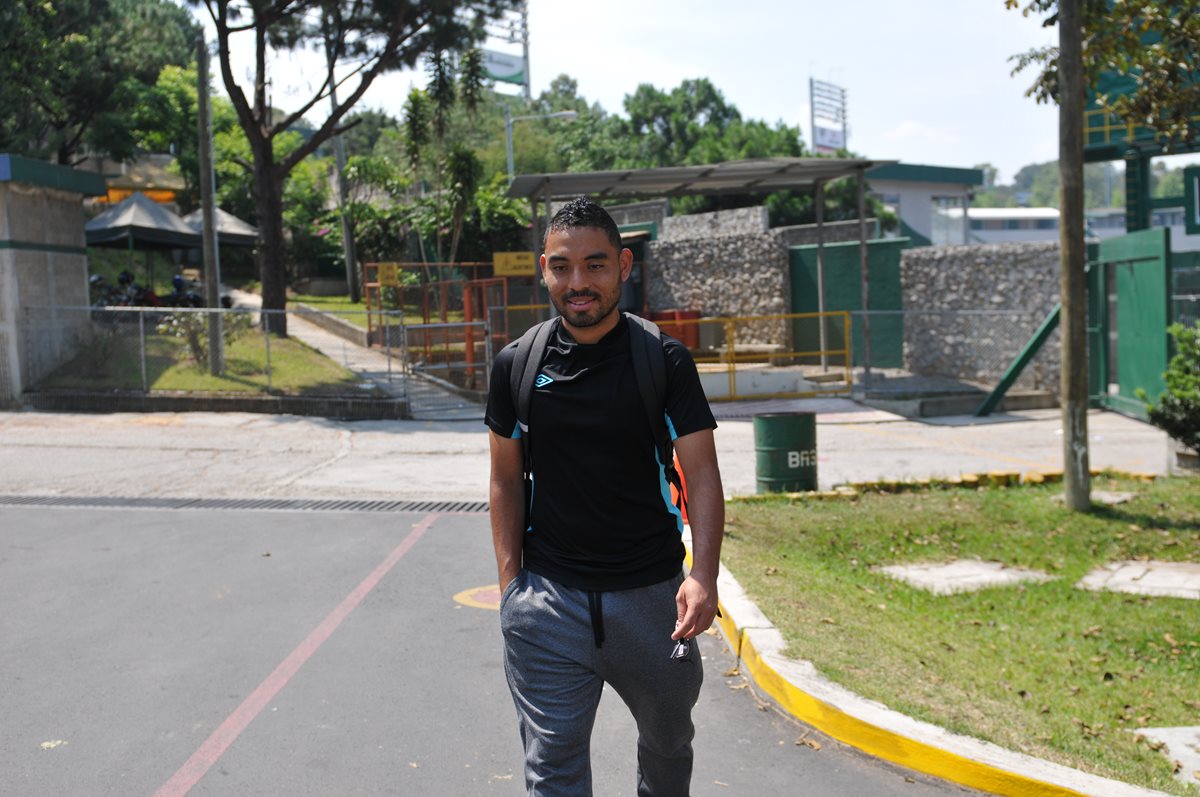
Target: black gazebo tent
{"points": [[140, 223], [231, 231]]}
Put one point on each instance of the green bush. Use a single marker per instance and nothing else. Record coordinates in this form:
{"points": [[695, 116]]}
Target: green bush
{"points": [[193, 328], [1177, 411]]}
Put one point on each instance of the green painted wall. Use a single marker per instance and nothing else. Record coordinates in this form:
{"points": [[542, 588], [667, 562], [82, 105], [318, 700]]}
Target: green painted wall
{"points": [[16, 169], [843, 291]]}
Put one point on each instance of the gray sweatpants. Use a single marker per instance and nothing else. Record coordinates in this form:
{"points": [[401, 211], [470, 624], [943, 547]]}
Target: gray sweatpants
{"points": [[556, 674]]}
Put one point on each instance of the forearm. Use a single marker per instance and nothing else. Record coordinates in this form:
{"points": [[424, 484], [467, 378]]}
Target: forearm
{"points": [[706, 516], [507, 509]]}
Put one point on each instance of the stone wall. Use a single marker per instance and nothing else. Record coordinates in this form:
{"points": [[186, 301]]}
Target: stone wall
{"points": [[835, 232], [724, 275], [970, 310], [740, 221], [729, 263]]}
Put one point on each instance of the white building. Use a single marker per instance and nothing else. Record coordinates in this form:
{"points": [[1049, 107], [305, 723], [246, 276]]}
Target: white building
{"points": [[922, 197], [1009, 225]]}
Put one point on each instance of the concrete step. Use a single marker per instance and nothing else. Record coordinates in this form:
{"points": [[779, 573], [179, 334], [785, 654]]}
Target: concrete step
{"points": [[960, 403]]}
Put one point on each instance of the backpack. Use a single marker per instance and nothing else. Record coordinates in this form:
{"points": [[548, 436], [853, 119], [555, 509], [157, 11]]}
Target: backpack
{"points": [[650, 373]]}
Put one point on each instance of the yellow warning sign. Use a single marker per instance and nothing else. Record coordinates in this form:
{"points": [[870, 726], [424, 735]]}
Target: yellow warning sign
{"points": [[388, 274], [513, 264]]}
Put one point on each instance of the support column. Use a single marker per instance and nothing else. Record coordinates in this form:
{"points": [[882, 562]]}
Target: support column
{"points": [[1137, 191], [820, 202], [863, 274]]}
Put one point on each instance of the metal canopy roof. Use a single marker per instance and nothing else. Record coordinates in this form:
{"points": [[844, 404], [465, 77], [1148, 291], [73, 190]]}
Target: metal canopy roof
{"points": [[759, 175]]}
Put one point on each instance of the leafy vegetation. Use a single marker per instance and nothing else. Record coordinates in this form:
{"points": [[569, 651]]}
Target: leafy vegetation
{"points": [[1153, 45], [1177, 411], [1037, 185], [70, 70], [1045, 668], [373, 35]]}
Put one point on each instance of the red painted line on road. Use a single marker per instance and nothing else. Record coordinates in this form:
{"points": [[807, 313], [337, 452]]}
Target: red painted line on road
{"points": [[211, 751]]}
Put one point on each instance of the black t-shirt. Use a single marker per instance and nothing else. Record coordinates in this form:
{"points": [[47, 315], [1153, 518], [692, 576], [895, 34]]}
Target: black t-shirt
{"points": [[601, 516]]}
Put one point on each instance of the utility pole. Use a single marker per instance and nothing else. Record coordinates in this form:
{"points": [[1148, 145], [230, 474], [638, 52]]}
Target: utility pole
{"points": [[1073, 277], [339, 160], [210, 245], [525, 49]]}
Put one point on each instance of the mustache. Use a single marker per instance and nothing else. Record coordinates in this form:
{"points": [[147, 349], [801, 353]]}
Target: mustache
{"points": [[582, 295]]}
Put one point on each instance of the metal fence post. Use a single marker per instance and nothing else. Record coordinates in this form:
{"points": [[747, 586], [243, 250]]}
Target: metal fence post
{"points": [[731, 353], [487, 353], [142, 347], [387, 340], [405, 366]]}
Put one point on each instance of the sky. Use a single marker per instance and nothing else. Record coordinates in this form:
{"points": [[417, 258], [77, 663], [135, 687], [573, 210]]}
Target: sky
{"points": [[927, 81]]}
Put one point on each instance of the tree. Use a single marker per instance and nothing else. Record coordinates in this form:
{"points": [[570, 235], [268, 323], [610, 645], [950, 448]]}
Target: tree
{"points": [[378, 36], [365, 130], [1168, 183], [71, 69], [164, 120], [1158, 43]]}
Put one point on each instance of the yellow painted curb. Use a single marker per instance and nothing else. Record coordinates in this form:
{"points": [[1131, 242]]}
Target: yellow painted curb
{"points": [[995, 479], [877, 741]]}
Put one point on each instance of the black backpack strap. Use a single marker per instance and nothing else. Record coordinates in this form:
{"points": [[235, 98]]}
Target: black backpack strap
{"points": [[527, 359], [531, 347], [650, 372]]}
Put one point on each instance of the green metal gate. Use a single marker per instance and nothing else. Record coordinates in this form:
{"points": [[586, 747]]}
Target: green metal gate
{"points": [[1129, 311]]}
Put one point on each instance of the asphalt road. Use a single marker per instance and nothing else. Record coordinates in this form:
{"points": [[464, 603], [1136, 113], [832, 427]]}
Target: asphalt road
{"points": [[322, 653], [313, 653]]}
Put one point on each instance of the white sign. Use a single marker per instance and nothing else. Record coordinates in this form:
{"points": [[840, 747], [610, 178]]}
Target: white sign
{"points": [[801, 459], [505, 67], [827, 138]]}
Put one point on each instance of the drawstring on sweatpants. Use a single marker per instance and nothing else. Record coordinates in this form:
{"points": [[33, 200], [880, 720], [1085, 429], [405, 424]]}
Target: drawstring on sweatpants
{"points": [[596, 608]]}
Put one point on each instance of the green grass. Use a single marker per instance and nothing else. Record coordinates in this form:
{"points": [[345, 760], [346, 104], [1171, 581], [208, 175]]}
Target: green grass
{"points": [[1045, 669], [113, 362]]}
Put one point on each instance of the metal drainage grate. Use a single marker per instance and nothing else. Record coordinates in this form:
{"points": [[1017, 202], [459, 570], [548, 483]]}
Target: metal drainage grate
{"points": [[256, 504]]}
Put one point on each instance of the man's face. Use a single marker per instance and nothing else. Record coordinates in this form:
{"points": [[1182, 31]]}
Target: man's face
{"points": [[583, 273]]}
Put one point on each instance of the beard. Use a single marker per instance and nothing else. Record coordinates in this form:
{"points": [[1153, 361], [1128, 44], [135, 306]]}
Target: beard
{"points": [[603, 306]]}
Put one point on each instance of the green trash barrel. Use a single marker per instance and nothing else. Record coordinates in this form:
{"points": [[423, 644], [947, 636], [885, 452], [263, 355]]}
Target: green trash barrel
{"points": [[785, 452]]}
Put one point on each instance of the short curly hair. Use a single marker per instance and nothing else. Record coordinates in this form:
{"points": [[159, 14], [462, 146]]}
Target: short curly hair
{"points": [[583, 212]]}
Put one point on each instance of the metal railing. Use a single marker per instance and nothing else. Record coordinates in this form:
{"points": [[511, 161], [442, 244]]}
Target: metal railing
{"points": [[445, 367], [768, 356]]}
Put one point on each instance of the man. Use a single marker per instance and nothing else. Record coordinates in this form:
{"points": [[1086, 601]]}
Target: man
{"points": [[590, 563]]}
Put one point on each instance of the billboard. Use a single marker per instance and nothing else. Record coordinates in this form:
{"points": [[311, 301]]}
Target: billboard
{"points": [[504, 67], [827, 139], [828, 116]]}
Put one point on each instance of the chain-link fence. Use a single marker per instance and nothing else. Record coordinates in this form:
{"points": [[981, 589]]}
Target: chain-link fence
{"points": [[447, 368], [247, 351], [169, 349], [442, 369]]}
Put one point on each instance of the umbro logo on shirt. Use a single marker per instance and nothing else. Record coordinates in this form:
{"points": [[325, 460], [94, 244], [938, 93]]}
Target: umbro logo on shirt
{"points": [[542, 380]]}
